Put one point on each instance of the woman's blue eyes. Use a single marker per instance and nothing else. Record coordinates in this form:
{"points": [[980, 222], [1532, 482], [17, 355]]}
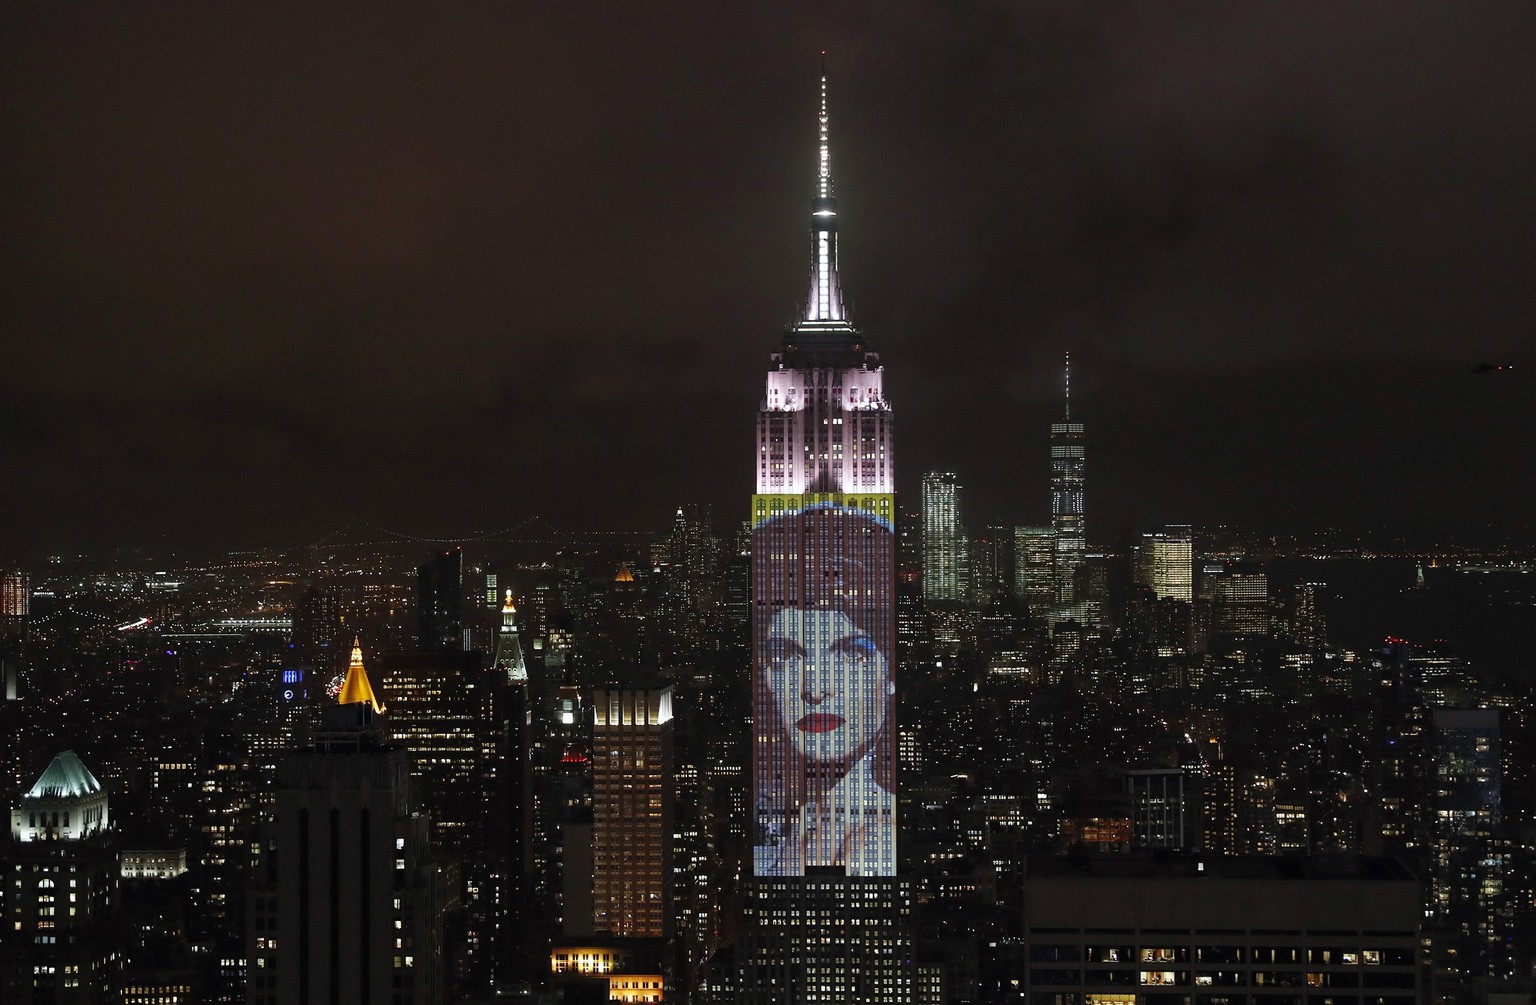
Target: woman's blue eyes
{"points": [[861, 645], [780, 650]]}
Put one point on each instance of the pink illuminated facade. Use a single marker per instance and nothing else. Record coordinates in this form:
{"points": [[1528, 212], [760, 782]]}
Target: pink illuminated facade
{"points": [[825, 426]]}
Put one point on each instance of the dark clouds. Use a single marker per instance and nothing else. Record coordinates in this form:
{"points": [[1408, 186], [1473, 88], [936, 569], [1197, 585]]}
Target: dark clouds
{"points": [[267, 266]]}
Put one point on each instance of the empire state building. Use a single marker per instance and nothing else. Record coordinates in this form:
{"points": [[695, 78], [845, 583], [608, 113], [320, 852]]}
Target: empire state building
{"points": [[824, 906], [824, 427]]}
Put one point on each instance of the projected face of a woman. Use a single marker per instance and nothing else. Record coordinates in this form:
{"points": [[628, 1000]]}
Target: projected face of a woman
{"points": [[830, 680]]}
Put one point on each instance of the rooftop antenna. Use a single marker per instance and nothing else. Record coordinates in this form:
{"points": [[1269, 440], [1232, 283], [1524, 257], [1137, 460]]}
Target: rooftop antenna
{"points": [[824, 170], [1069, 385]]}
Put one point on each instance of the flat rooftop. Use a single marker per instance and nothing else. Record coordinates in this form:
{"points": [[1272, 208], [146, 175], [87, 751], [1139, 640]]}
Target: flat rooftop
{"points": [[1156, 865]]}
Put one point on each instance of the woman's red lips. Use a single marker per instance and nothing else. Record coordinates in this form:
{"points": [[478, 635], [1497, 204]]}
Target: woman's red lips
{"points": [[819, 722]]}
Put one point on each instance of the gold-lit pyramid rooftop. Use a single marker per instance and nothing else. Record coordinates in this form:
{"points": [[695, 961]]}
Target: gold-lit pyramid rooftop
{"points": [[624, 576], [357, 689]]}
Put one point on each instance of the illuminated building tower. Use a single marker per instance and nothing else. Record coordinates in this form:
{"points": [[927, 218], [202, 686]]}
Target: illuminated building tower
{"points": [[61, 942], [1232, 605], [946, 565], [1402, 755], [631, 811], [1242, 603], [1165, 562], [512, 818], [618, 863], [15, 596], [16, 719], [1034, 564], [347, 901], [1160, 617], [825, 912], [1470, 870], [462, 720], [1309, 620], [15, 611], [691, 557], [509, 650], [1067, 467], [1239, 810]]}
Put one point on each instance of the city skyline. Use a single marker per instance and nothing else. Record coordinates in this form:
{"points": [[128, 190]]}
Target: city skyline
{"points": [[239, 292], [1040, 733]]}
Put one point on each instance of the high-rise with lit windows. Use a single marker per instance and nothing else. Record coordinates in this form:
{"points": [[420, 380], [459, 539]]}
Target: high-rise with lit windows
{"points": [[15, 610], [347, 899], [1165, 563], [15, 597], [462, 720], [1034, 563], [62, 941], [1068, 466], [1470, 868], [824, 908], [946, 566], [631, 811]]}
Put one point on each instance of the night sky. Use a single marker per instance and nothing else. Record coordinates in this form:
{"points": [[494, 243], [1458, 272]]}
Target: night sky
{"points": [[269, 266]]}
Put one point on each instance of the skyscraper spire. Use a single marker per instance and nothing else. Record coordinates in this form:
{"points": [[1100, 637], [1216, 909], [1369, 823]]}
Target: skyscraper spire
{"points": [[824, 171], [822, 814], [356, 689], [1069, 385], [825, 302], [1067, 478]]}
